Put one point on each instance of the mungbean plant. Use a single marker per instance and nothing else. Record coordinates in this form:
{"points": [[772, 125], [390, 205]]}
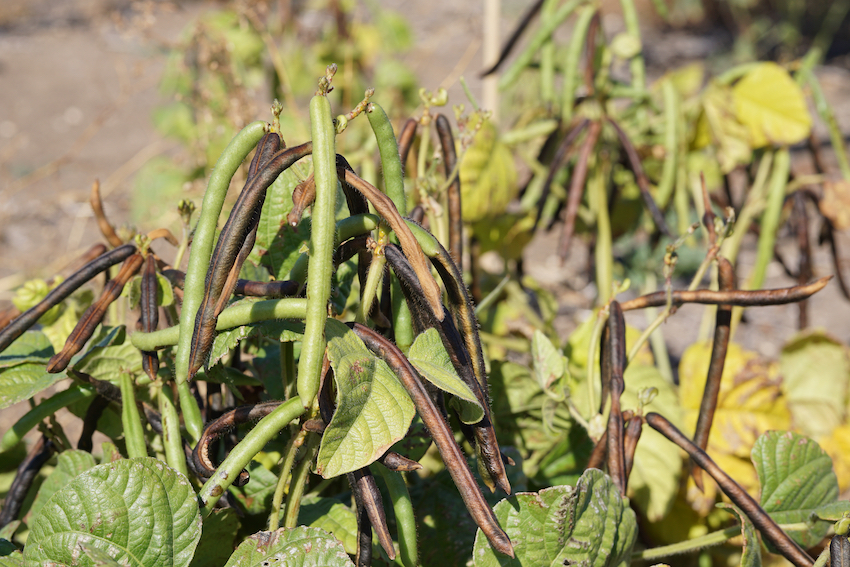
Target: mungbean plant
{"points": [[335, 379]]}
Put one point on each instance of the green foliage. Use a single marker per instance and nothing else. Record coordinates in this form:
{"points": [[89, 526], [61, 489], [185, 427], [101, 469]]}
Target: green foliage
{"points": [[301, 547], [373, 411], [796, 479], [137, 511], [428, 355], [589, 524]]}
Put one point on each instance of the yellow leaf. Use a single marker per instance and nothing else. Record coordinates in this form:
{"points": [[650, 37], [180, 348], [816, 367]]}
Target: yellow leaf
{"points": [[837, 446], [750, 402], [771, 104], [687, 79], [718, 124], [488, 177], [835, 204]]}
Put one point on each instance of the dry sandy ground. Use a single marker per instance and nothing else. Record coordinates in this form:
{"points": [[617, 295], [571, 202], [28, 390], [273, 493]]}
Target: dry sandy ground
{"points": [[78, 83]]}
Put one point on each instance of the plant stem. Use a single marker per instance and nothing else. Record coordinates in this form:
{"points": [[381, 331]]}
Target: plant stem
{"points": [[754, 204], [43, 410], [239, 457], [542, 39], [769, 227], [603, 254], [321, 249], [695, 544], [671, 144], [199, 259], [287, 367], [770, 219], [828, 116], [299, 480], [288, 458]]}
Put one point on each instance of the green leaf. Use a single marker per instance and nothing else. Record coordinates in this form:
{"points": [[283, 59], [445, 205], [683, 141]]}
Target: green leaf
{"points": [[332, 516], [70, 464], [164, 291], [590, 525], [278, 244], [32, 346], [428, 355], [771, 104], [22, 382], [416, 442], [225, 341], [549, 363], [373, 409], [217, 538], [15, 559], [7, 547], [293, 547], [256, 496], [32, 293], [751, 553], [446, 530], [796, 478], [283, 331], [487, 176], [815, 398], [137, 511], [831, 512], [525, 516], [107, 363]]}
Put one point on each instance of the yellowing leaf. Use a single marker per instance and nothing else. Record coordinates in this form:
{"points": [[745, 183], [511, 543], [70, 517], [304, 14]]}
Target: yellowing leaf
{"points": [[488, 177], [835, 204], [815, 369], [750, 402], [771, 104], [686, 79], [654, 481], [508, 234], [837, 446], [718, 125]]}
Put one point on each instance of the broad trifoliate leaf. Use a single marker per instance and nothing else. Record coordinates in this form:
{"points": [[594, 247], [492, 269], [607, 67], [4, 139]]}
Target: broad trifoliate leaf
{"points": [[138, 512], [373, 409]]}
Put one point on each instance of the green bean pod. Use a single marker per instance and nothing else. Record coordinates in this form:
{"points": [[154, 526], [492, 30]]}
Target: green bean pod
{"points": [[247, 313], [238, 458], [43, 410], [404, 519], [171, 441], [543, 34], [390, 161], [134, 434], [770, 218], [571, 62], [321, 249], [199, 259]]}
